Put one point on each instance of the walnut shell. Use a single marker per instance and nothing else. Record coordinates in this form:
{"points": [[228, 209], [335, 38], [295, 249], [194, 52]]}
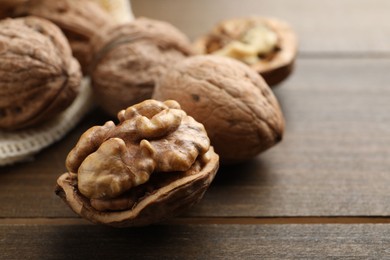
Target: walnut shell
{"points": [[155, 163], [130, 58], [275, 66], [238, 109], [79, 20], [39, 76], [7, 7]]}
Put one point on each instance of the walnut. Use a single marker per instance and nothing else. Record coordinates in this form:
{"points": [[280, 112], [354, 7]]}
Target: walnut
{"points": [[239, 111], [156, 162], [267, 45], [79, 20], [120, 10], [39, 76], [7, 7], [130, 58]]}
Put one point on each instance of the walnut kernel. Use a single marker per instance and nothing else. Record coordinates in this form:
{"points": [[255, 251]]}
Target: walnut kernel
{"points": [[267, 45], [155, 162]]}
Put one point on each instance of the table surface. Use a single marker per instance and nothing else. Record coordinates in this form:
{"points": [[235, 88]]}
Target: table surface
{"points": [[323, 192]]}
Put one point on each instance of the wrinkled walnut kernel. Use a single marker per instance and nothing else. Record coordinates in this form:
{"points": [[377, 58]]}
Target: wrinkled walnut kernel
{"points": [[245, 40], [152, 137], [269, 46], [158, 180]]}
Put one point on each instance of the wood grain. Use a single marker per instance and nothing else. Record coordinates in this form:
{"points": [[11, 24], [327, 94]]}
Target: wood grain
{"points": [[27, 189], [196, 242], [348, 26], [333, 161], [315, 195]]}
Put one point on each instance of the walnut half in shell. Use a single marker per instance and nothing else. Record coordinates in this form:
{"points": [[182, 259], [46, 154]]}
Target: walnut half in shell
{"points": [[267, 45], [155, 163]]}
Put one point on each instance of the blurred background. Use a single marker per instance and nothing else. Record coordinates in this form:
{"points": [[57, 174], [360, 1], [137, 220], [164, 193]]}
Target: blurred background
{"points": [[350, 26]]}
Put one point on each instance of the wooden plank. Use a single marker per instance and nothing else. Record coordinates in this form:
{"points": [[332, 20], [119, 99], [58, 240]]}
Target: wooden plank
{"points": [[334, 158], [181, 220], [322, 26], [333, 161], [27, 189], [196, 242]]}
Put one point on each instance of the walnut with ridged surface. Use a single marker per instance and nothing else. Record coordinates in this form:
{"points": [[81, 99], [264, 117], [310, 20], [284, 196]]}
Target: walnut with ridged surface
{"points": [[39, 77], [7, 7], [79, 20], [238, 109], [156, 162], [130, 58]]}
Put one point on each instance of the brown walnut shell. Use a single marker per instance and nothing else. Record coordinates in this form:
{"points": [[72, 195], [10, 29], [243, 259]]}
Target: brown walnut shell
{"points": [[276, 66], [238, 109], [131, 57], [7, 7], [39, 76], [79, 20], [151, 166]]}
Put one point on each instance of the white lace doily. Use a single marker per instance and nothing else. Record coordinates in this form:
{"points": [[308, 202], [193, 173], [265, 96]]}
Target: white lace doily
{"points": [[22, 145]]}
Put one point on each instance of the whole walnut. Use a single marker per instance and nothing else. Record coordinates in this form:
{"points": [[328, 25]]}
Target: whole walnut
{"points": [[39, 76], [239, 111], [7, 7], [130, 58], [155, 163], [79, 20]]}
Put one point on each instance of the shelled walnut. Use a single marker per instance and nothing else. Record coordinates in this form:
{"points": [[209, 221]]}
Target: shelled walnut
{"points": [[267, 45], [39, 76], [79, 20], [155, 163], [130, 58], [238, 109]]}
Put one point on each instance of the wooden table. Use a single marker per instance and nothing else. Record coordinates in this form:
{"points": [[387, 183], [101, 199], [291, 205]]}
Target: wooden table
{"points": [[323, 192]]}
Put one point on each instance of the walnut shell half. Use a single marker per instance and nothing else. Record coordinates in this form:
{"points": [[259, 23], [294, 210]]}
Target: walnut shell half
{"points": [[130, 58], [155, 163], [79, 20], [39, 76], [274, 65], [238, 109]]}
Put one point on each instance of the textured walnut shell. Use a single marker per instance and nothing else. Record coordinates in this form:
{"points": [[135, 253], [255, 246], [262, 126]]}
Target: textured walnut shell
{"points": [[79, 20], [238, 109], [7, 7], [279, 65], [151, 166], [39, 76], [130, 58]]}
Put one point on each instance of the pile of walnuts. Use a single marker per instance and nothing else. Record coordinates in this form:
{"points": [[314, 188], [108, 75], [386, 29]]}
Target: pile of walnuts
{"points": [[176, 101]]}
